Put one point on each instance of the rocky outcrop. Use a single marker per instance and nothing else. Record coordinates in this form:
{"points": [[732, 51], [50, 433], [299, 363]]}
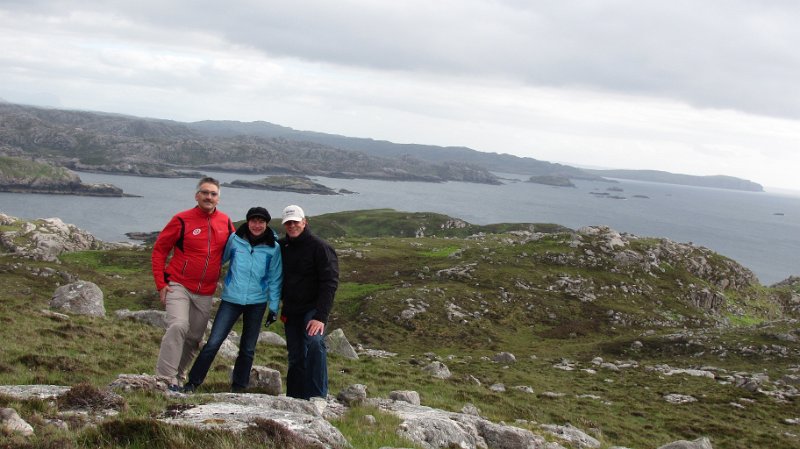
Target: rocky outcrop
{"points": [[45, 239], [236, 412], [433, 429]]}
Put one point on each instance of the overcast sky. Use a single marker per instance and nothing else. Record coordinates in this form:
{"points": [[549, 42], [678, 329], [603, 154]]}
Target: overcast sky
{"points": [[697, 87]]}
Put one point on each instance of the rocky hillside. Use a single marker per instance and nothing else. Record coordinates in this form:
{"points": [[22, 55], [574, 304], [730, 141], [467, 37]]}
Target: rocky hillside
{"points": [[504, 163], [95, 141], [503, 336], [90, 141]]}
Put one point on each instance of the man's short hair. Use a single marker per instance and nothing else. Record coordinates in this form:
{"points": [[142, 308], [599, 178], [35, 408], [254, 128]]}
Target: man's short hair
{"points": [[207, 180]]}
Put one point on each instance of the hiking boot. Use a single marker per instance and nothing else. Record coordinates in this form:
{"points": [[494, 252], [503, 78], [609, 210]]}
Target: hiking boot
{"points": [[175, 388], [189, 388]]}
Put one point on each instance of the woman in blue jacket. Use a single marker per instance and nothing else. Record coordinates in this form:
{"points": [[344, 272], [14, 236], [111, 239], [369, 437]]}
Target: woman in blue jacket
{"points": [[253, 283]]}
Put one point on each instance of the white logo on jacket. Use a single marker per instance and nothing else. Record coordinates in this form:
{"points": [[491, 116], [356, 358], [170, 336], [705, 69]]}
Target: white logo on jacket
{"points": [[196, 231]]}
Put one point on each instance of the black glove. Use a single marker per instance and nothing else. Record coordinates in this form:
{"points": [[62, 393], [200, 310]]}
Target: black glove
{"points": [[271, 318]]}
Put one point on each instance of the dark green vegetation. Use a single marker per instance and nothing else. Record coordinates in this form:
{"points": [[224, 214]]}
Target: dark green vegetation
{"points": [[462, 293]]}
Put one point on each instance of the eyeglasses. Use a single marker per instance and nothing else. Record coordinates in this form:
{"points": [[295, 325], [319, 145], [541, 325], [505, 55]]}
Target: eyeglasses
{"points": [[208, 192]]}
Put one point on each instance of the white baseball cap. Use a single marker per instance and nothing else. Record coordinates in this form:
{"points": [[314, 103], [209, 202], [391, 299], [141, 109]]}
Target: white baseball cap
{"points": [[293, 213]]}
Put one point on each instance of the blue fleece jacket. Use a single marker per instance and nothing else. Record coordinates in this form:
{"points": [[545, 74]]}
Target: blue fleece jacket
{"points": [[255, 272]]}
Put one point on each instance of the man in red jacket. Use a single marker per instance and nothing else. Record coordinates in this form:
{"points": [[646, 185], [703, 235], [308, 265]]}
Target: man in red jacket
{"points": [[196, 238]]}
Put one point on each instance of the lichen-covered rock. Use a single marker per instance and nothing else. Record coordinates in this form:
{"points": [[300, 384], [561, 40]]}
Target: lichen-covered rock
{"points": [[140, 382], [236, 412], [353, 394], [572, 435], [155, 318], [11, 422], [438, 370], [412, 397], [25, 392], [434, 429], [504, 357], [337, 344], [228, 350], [700, 443], [271, 338], [79, 298], [266, 379]]}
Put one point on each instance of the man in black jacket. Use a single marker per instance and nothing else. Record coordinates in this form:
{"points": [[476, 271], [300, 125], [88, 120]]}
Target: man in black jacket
{"points": [[310, 279]]}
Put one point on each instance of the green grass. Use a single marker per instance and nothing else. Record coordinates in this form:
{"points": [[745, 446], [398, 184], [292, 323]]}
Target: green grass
{"points": [[351, 295], [745, 320], [366, 433], [104, 262], [440, 252]]}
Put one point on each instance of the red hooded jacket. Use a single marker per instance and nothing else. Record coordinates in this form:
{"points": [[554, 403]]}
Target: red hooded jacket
{"points": [[197, 240]]}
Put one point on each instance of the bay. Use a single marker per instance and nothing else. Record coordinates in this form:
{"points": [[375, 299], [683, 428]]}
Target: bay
{"points": [[757, 229]]}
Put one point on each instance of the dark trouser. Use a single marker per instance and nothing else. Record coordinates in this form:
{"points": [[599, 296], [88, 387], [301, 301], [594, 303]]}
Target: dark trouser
{"points": [[226, 317], [308, 362]]}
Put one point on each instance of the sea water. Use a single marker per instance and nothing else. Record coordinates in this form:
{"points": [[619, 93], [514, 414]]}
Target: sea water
{"points": [[757, 229]]}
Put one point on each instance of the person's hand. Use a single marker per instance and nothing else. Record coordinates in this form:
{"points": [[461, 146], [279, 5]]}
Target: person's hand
{"points": [[271, 318], [163, 294], [315, 327]]}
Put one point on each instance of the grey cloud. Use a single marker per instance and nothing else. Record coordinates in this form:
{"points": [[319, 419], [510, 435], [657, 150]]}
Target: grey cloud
{"points": [[735, 54]]}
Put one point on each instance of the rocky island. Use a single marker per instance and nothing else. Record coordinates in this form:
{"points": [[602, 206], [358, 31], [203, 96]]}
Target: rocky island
{"points": [[552, 180], [296, 184], [19, 175]]}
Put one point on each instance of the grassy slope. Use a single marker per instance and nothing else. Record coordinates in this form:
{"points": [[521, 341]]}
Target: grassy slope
{"points": [[18, 168], [509, 310]]}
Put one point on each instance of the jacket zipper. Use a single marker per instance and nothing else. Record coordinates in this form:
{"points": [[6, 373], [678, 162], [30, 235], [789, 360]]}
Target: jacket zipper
{"points": [[208, 255]]}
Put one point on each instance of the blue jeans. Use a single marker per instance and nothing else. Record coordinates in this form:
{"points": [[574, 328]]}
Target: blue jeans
{"points": [[308, 362], [227, 314]]}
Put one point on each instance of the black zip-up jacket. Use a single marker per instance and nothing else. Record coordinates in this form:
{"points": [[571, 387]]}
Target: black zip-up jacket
{"points": [[310, 275]]}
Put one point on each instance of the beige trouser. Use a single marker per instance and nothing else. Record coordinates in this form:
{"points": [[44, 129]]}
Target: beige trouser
{"points": [[187, 318]]}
